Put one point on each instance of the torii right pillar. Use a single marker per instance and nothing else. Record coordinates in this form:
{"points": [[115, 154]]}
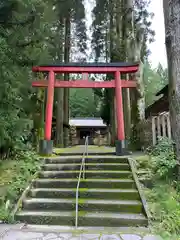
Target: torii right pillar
{"points": [[120, 142]]}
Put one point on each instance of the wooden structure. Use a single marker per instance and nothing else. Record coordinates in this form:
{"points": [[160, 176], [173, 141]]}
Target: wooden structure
{"points": [[159, 106], [85, 69], [161, 127], [158, 116], [88, 127]]}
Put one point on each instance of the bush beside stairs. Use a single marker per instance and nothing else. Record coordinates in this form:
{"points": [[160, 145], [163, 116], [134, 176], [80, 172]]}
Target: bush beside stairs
{"points": [[108, 197]]}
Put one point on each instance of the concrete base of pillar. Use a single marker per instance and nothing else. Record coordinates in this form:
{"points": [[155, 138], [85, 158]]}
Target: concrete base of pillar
{"points": [[121, 148], [45, 147]]}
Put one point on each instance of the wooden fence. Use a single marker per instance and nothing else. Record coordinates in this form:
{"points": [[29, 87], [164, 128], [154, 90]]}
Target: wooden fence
{"points": [[161, 126]]}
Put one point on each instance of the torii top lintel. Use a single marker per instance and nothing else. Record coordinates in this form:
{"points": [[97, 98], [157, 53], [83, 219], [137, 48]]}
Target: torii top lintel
{"points": [[88, 67]]}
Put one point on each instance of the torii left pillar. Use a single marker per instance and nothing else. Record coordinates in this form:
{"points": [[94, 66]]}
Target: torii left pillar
{"points": [[46, 145]]}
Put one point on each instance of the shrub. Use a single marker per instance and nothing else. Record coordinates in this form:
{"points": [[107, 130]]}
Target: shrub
{"points": [[163, 159], [26, 165], [164, 203]]}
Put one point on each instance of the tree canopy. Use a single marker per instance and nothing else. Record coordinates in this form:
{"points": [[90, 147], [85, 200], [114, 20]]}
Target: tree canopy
{"points": [[83, 103], [31, 33], [154, 81]]}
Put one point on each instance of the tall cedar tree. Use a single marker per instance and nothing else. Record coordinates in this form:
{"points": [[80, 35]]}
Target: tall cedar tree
{"points": [[112, 34], [172, 38], [24, 28], [71, 24]]}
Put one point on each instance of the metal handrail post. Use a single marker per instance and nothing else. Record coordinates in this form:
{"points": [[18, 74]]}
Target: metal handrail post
{"points": [[86, 152], [82, 168]]}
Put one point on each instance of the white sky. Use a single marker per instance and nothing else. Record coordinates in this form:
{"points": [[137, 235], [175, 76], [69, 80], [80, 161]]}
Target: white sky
{"points": [[158, 47]]}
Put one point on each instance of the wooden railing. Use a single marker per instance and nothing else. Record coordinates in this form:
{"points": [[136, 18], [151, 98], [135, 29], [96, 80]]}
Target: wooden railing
{"points": [[161, 126]]}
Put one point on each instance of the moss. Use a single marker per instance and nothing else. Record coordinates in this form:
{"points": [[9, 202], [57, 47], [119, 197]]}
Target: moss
{"points": [[143, 162], [81, 148], [83, 189], [47, 155], [81, 203], [62, 150], [7, 171], [82, 213], [164, 204], [142, 158]]}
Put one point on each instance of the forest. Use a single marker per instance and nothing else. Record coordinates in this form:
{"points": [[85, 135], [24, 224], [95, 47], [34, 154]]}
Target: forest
{"points": [[38, 32]]}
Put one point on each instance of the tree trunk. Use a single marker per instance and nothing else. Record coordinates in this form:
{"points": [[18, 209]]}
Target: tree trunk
{"points": [[127, 113], [122, 28], [135, 44], [127, 101], [60, 94], [172, 37], [60, 118], [111, 91], [137, 110], [66, 78]]}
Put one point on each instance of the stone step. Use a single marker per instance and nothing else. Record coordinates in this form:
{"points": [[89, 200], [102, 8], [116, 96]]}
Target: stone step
{"points": [[97, 219], [88, 174], [52, 204], [121, 194], [87, 183], [91, 153], [104, 159], [89, 166]]}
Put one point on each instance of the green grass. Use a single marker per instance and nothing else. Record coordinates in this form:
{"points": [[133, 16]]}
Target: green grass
{"points": [[7, 172], [15, 175], [92, 148], [164, 206], [142, 162], [163, 202]]}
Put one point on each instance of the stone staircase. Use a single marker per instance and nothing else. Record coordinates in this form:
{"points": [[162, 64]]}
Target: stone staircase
{"points": [[108, 197]]}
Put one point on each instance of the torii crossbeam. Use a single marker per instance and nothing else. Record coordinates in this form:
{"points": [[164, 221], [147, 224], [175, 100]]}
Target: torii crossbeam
{"points": [[85, 68]]}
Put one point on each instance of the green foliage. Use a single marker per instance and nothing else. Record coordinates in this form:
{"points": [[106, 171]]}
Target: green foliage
{"points": [[112, 40], [74, 12], [106, 105], [83, 103], [154, 81], [31, 33], [23, 43], [164, 205], [24, 166], [103, 38], [135, 141], [162, 196], [163, 160]]}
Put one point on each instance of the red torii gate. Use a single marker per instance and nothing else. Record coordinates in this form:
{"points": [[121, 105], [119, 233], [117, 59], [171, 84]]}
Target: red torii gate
{"points": [[85, 68]]}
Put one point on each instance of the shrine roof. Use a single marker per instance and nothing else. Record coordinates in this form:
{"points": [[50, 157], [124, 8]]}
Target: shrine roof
{"points": [[163, 90], [160, 105], [87, 122]]}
